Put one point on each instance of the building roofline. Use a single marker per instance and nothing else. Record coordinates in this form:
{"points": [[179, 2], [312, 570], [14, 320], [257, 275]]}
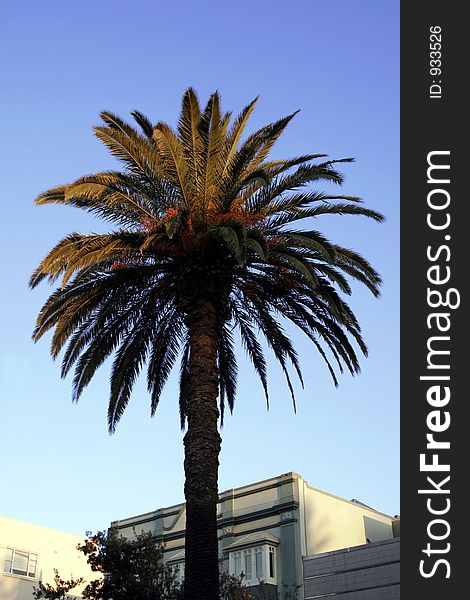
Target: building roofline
{"points": [[173, 509], [357, 504], [244, 490], [38, 526], [339, 551]]}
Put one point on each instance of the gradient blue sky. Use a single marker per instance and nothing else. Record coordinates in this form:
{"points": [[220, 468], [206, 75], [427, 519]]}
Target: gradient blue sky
{"points": [[63, 62]]}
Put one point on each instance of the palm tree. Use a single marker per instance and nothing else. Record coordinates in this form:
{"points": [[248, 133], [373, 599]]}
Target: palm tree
{"points": [[207, 241]]}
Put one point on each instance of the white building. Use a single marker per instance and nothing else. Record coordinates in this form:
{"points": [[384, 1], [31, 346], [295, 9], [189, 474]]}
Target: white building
{"points": [[29, 553]]}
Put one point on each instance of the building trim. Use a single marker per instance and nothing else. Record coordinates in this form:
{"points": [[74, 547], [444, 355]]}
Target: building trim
{"points": [[228, 535], [249, 540], [149, 518], [175, 509], [352, 570], [228, 494], [339, 552], [364, 589], [259, 514], [265, 513]]}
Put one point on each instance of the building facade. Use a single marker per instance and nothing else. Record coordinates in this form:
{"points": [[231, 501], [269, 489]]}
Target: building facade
{"points": [[368, 572], [30, 553], [266, 528]]}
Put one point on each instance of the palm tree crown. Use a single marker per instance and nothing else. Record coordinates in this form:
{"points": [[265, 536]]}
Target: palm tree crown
{"points": [[199, 212]]}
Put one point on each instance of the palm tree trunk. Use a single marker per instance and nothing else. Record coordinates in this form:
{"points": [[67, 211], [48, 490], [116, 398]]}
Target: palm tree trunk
{"points": [[202, 446]]}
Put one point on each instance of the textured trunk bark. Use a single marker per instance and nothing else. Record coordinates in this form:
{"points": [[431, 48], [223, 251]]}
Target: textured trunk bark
{"points": [[202, 446]]}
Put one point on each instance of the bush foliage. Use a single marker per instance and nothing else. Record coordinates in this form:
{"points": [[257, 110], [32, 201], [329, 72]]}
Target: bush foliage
{"points": [[130, 569]]}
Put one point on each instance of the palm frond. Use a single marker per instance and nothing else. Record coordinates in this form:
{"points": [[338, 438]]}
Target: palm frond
{"points": [[190, 136], [175, 166], [276, 167], [278, 342], [135, 151], [212, 132], [228, 237], [248, 158], [144, 122], [184, 384], [252, 347], [268, 136], [127, 365], [164, 352], [227, 364], [114, 196], [291, 216], [236, 132]]}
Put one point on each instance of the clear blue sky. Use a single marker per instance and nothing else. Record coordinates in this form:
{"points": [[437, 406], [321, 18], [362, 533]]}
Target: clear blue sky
{"points": [[63, 62]]}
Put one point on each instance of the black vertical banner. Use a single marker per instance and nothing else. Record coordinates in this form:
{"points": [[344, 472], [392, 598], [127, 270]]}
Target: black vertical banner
{"points": [[434, 308]]}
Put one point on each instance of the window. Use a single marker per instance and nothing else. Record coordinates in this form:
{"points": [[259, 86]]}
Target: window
{"points": [[257, 563], [271, 569], [236, 558], [247, 564], [178, 569], [20, 562]]}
